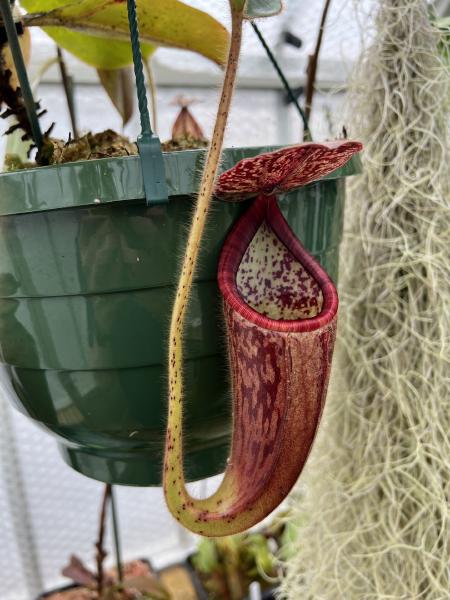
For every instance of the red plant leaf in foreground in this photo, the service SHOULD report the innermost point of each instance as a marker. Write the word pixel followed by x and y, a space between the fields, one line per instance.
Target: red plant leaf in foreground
pixel 285 169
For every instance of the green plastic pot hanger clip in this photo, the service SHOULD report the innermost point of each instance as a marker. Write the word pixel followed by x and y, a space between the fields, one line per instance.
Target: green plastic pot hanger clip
pixel 149 145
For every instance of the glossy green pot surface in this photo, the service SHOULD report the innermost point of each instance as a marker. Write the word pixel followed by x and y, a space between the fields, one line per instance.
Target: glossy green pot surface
pixel 87 275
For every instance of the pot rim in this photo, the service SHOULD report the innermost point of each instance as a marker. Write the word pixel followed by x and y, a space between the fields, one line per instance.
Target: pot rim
pixel 117 179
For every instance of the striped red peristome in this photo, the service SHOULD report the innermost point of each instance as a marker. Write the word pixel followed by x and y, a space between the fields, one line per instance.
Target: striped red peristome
pixel 265 208
pixel 283 170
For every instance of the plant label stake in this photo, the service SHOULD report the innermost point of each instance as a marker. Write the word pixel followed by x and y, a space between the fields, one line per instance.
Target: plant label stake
pixel 280 309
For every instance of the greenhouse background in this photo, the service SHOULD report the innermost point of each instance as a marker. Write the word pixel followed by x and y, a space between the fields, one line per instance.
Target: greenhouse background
pixel 47 510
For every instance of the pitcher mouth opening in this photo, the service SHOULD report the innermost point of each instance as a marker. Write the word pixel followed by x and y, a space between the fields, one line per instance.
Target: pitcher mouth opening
pixel 268 277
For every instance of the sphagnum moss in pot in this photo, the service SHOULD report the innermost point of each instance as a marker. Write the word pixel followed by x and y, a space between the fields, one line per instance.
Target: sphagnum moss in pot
pixel 88 273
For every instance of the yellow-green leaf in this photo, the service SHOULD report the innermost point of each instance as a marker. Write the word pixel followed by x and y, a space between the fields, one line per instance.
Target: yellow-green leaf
pixel 98 52
pixel 161 23
pixel 95 51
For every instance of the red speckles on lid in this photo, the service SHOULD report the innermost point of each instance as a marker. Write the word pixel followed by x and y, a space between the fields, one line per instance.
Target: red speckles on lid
pixel 284 170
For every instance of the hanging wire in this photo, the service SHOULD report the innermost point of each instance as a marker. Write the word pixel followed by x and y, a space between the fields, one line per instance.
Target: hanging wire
pixel 282 76
pixel 152 161
pixel 14 44
pixel 138 69
pixel 67 81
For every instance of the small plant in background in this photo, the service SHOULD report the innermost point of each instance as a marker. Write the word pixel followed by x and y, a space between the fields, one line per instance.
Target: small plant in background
pixel 186 131
pixel 138 582
pixel 228 566
pixel 219 569
pixel 134 580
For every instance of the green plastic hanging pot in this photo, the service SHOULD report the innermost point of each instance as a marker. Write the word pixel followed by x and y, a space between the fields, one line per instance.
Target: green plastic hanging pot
pixel 87 275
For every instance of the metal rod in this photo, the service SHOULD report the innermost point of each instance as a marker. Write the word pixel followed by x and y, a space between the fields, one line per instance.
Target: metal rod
pixel 67 82
pixel 16 51
pixel 116 535
pixel 281 75
pixel 101 552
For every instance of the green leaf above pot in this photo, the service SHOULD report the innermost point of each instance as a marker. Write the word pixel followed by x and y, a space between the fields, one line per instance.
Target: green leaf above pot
pixel 80 27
